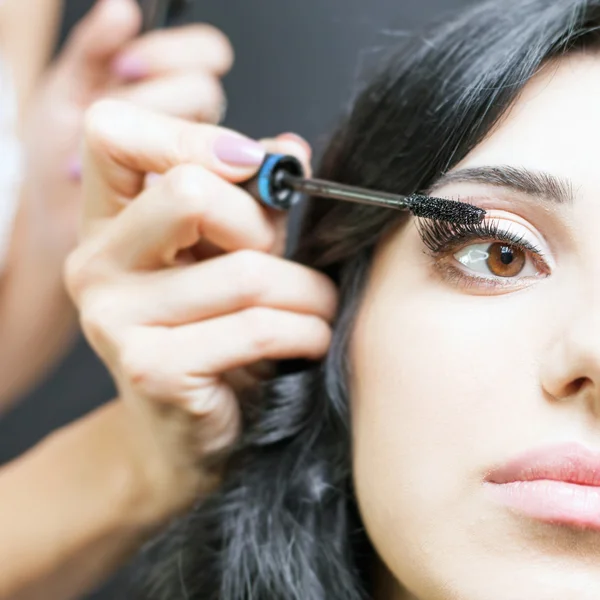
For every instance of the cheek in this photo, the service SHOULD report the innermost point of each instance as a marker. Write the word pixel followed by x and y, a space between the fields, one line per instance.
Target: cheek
pixel 439 383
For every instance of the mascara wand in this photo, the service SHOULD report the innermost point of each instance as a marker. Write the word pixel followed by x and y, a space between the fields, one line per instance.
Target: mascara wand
pixel 280 182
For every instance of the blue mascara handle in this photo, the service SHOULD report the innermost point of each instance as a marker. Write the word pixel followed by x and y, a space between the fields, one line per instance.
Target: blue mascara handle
pixel 268 186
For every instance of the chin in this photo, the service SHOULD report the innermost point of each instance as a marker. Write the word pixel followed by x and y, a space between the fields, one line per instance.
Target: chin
pixel 554 580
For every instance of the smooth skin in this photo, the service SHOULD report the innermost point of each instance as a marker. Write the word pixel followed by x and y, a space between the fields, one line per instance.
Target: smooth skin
pixel 104 57
pixel 452 380
pixel 176 333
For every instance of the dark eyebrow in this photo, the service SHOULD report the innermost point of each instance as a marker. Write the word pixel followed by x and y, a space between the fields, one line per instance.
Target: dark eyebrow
pixel 532 183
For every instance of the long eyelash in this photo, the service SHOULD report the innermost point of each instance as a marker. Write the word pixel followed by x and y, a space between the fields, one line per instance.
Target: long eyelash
pixel 441 238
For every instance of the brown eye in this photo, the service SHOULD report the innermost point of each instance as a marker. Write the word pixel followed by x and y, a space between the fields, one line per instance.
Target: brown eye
pixel 499 257
pixel 505 260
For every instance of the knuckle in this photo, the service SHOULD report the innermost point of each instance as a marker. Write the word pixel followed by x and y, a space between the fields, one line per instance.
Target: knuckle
pixel 260 332
pixel 102 121
pixel 267 244
pixel 97 318
pixel 140 368
pixel 219 424
pixel 75 276
pixel 81 272
pixel 185 181
pixel 192 193
pixel 186 190
pixel 190 142
pixel 147 375
pixel 249 270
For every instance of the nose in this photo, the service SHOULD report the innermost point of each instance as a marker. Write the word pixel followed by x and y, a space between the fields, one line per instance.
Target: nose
pixel 570 368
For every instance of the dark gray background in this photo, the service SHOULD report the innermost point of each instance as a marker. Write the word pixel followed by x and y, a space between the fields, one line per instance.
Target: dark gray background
pixel 298 66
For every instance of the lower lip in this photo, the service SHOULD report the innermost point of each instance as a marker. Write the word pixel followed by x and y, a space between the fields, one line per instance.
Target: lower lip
pixel 550 501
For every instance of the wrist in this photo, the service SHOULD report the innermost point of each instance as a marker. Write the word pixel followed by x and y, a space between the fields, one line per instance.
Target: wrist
pixel 103 465
pixel 167 470
pixel 74 509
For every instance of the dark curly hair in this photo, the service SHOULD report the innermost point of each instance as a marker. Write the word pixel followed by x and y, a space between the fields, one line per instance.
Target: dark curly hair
pixel 285 525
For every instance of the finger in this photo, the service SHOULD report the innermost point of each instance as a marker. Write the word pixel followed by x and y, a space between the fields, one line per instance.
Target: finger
pixel 297 144
pixel 124 142
pixel 196 47
pixel 226 285
pixel 194 96
pixel 233 341
pixel 96 41
pixel 287 143
pixel 190 202
pixel 223 228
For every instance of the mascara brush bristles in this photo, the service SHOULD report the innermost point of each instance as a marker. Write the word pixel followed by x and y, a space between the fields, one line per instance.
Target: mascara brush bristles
pixel 440 209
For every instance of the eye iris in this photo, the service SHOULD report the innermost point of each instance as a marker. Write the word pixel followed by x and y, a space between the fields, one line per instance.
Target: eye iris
pixel 505 261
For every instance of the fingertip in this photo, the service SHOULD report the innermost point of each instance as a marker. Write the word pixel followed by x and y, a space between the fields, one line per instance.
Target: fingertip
pixel 97 37
pixel 123 17
pixel 298 140
pixel 291 143
pixel 223 52
pixel 122 10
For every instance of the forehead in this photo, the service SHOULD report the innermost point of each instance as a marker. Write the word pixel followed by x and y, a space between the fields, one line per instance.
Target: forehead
pixel 554 125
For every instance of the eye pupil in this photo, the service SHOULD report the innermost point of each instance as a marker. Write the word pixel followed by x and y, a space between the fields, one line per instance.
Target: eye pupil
pixel 505 261
pixel 506 255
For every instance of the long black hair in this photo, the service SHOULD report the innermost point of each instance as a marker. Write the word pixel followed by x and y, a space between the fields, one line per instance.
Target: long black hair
pixel 285 525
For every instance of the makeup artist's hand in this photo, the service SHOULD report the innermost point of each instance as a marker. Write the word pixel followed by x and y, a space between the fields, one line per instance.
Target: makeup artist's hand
pixel 179 284
pixel 176 71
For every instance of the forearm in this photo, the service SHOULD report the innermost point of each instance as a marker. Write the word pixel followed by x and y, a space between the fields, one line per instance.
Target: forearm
pixel 28 31
pixel 37 320
pixel 71 511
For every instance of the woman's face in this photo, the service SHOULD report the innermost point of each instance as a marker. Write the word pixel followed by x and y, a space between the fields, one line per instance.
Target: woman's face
pixel 480 347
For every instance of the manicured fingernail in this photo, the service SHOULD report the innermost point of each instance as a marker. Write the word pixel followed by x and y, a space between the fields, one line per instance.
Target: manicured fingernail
pixel 74 169
pixel 239 150
pixel 129 67
pixel 152 179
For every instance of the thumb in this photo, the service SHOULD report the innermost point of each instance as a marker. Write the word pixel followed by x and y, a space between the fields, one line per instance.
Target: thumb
pixel 97 39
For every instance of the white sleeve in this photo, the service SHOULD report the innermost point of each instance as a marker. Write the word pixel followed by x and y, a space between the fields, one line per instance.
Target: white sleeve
pixel 11 162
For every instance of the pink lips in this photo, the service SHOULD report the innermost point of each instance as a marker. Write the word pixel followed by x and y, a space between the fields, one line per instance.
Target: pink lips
pixel 557 484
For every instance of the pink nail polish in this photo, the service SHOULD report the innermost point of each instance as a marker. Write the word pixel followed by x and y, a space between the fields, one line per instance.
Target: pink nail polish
pixel 152 179
pixel 239 150
pixel 129 67
pixel 74 169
